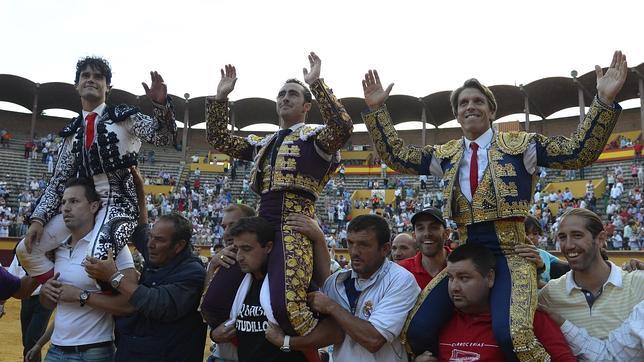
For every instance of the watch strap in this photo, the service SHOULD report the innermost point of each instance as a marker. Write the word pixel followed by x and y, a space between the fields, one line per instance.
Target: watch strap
pixel 286 346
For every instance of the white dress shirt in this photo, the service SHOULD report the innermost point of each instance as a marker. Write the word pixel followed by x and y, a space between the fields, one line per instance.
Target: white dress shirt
pixel 484 141
pixel 98 110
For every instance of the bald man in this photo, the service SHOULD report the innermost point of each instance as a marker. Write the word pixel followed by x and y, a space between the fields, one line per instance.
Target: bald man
pixel 403 247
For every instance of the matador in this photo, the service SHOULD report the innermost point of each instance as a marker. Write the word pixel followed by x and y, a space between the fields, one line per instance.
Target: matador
pixel 489 178
pixel 291 168
pixel 100 144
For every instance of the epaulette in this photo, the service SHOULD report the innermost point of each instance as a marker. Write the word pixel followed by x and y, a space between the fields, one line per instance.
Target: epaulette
pixel 514 142
pixel 309 131
pixel 121 112
pixel 448 149
pixel 71 127
pixel 255 140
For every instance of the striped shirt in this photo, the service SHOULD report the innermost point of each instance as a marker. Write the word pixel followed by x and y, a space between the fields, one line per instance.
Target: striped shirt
pixel 620 294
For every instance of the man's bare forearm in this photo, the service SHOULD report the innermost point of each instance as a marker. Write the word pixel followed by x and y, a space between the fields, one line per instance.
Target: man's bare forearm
pixel 326 333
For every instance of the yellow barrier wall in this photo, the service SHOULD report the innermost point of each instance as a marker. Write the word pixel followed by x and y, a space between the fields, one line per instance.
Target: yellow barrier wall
pixel 578 187
pixel 157 189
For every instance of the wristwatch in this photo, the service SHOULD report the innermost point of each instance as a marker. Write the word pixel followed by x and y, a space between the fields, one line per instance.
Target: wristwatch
pixel 84 297
pixel 286 347
pixel 116 280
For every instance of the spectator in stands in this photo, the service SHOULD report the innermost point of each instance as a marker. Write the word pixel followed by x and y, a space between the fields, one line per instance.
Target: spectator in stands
pixel 567 195
pixel 593 281
pixel 468 334
pixel 590 189
pixel 383 169
pixel 29 147
pixel 423 181
pixel 616 192
pixel 402 247
pixel 341 172
pixel 369 302
pixel 162 321
pixel 637 150
pixel 83 329
pixel 431 234
pixel 552 197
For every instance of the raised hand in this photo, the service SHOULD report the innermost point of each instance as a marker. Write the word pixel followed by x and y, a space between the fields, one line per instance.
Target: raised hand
pixel 227 82
pixel 609 84
pixel 310 76
pixel 158 91
pixel 374 95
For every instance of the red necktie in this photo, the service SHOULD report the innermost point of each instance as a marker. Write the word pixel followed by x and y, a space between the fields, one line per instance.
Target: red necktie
pixel 89 130
pixel 474 168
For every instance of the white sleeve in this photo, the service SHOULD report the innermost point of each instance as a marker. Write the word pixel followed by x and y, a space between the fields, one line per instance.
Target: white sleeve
pixel 435 167
pixel 530 158
pixel 390 313
pixel 124 259
pixel 625 343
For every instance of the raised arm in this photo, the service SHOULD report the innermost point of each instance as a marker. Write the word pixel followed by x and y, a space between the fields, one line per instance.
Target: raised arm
pixel 338 122
pixel 217 133
pixel 409 159
pixel 584 146
pixel 160 129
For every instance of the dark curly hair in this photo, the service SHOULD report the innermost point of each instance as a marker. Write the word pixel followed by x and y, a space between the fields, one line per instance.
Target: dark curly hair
pixel 96 63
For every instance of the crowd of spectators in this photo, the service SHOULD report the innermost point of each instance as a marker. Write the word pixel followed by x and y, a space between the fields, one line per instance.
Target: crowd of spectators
pixel 203 203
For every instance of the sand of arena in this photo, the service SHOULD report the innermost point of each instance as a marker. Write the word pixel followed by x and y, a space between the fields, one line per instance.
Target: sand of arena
pixel 11 338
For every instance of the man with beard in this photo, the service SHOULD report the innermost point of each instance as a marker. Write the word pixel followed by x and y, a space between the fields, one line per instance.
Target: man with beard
pixel 430 232
pixel 595 294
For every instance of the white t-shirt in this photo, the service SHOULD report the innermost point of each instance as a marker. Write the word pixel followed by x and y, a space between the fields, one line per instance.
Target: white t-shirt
pixel 76 325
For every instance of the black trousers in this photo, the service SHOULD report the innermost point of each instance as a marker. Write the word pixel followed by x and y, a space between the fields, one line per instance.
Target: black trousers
pixel 33 320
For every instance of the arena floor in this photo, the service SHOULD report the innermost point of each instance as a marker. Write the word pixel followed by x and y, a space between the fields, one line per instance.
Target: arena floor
pixel 11 340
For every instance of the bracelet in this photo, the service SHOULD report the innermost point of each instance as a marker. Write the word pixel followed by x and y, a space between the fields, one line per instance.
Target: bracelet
pixel 33 220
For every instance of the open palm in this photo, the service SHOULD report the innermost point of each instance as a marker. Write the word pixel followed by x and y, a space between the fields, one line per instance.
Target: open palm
pixel 227 82
pixel 374 95
pixel 609 84
pixel 310 76
pixel 158 90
